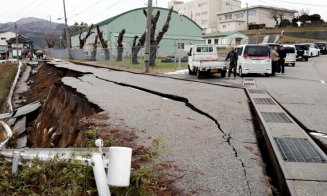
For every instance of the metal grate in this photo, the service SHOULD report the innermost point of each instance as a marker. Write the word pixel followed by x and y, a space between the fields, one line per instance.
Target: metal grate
pixel 248 84
pixel 264 101
pixel 256 91
pixel 248 79
pixel 275 117
pixel 298 150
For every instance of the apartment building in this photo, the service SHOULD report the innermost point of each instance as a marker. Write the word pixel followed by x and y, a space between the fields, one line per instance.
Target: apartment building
pixel 204 12
pixel 238 20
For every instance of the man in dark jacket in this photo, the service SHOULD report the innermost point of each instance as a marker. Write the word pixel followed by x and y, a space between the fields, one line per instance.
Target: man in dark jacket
pixel 281 61
pixel 233 57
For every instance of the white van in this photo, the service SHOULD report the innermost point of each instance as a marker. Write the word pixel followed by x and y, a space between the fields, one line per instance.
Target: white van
pixel 290 55
pixel 253 58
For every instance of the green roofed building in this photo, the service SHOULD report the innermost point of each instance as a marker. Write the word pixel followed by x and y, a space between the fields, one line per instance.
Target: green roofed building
pixel 181 30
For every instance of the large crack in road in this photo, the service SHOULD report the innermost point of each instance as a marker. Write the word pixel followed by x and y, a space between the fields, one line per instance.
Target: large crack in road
pixel 226 136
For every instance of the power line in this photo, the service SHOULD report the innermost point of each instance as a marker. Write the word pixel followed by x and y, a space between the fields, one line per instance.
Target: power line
pixel 86 9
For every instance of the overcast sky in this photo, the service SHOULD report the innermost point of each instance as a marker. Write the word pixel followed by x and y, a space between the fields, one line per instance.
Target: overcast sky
pixel 94 11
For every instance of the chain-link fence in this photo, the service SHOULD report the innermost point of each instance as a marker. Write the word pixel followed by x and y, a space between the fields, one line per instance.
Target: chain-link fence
pixel 166 57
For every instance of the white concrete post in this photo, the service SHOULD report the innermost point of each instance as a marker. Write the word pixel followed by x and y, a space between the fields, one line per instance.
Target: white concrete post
pixel 119 169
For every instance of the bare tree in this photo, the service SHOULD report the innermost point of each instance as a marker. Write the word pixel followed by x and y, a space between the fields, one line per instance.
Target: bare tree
pixel 165 27
pixel 138 45
pixel 104 44
pixel 120 47
pixel 275 16
pixel 82 41
pixel 95 45
pixel 50 42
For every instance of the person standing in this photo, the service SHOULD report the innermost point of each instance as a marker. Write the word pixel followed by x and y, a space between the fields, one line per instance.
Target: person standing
pixel 274 59
pixel 282 56
pixel 232 56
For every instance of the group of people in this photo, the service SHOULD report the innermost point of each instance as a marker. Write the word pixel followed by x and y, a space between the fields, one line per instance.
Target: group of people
pixel 278 56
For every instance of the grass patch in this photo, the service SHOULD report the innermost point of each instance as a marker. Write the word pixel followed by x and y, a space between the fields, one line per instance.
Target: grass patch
pixel 126 64
pixel 287 29
pixel 287 39
pixel 7 76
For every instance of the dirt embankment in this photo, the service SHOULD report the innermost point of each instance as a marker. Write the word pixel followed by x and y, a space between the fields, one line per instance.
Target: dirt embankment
pixel 62 108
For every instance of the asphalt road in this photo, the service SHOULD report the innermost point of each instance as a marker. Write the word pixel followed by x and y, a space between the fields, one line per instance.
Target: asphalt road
pixel 302 90
pixel 206 128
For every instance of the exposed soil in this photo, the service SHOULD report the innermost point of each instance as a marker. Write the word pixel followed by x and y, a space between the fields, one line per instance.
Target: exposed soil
pixel 68 119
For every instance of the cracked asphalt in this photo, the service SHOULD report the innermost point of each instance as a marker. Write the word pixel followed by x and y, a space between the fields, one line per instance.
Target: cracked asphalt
pixel 207 129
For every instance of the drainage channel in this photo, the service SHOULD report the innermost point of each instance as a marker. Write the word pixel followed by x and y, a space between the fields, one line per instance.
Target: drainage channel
pixel 227 137
pixel 299 164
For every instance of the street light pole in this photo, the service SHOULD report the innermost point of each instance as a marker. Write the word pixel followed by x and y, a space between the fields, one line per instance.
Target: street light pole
pixel 148 37
pixel 179 45
pixel 67 31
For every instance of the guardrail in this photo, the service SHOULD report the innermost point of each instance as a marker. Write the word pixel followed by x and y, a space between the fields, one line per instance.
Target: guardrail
pixel 115 161
pixel 13 87
pixel 9 133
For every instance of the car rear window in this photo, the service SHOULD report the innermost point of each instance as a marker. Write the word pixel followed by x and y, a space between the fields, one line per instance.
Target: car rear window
pixel 301 47
pixel 289 49
pixel 257 51
pixel 204 49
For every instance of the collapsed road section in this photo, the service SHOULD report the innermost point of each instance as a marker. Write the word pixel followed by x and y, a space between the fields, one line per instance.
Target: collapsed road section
pixel 47 112
pixel 211 141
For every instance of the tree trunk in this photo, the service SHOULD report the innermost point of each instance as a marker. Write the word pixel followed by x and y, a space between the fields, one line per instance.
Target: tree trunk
pixel 135 51
pixel 94 52
pixel 120 46
pixel 153 55
pixel 104 44
pixel 83 41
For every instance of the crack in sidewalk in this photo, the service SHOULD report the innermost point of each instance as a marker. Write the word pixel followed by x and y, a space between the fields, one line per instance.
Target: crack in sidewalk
pixel 226 137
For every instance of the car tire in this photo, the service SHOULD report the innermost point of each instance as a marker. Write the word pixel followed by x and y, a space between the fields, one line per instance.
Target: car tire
pixel 293 64
pixel 198 74
pixel 311 55
pixel 318 53
pixel 306 58
pixel 190 72
pixel 240 73
pixel 223 73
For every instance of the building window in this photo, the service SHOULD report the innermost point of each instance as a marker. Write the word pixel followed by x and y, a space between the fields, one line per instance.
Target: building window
pixel 252 12
pixel 198 14
pixel 180 46
pixel 220 18
pixel 224 26
pixel 228 16
pixel 216 41
pixel 204 13
pixel 204 22
pixel 239 15
pixel 209 41
pixel 199 5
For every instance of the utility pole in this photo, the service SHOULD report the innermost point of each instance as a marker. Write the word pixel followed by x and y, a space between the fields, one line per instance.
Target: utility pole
pixel 148 37
pixel 247 15
pixel 67 32
pixel 16 41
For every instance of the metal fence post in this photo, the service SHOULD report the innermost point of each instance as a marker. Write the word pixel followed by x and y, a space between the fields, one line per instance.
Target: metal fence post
pixel 100 175
pixel 15 161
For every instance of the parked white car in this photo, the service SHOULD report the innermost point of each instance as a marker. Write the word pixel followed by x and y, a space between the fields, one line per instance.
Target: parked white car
pixel 313 49
pixel 290 55
pixel 203 60
pixel 253 58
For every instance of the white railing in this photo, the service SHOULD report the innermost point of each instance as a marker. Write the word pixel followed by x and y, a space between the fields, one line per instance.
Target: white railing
pixel 112 168
pixel 8 131
pixel 13 87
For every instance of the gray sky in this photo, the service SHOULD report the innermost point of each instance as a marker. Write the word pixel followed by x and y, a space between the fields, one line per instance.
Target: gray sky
pixel 94 11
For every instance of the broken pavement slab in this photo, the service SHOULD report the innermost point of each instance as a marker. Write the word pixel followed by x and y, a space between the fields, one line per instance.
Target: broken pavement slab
pixel 212 160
